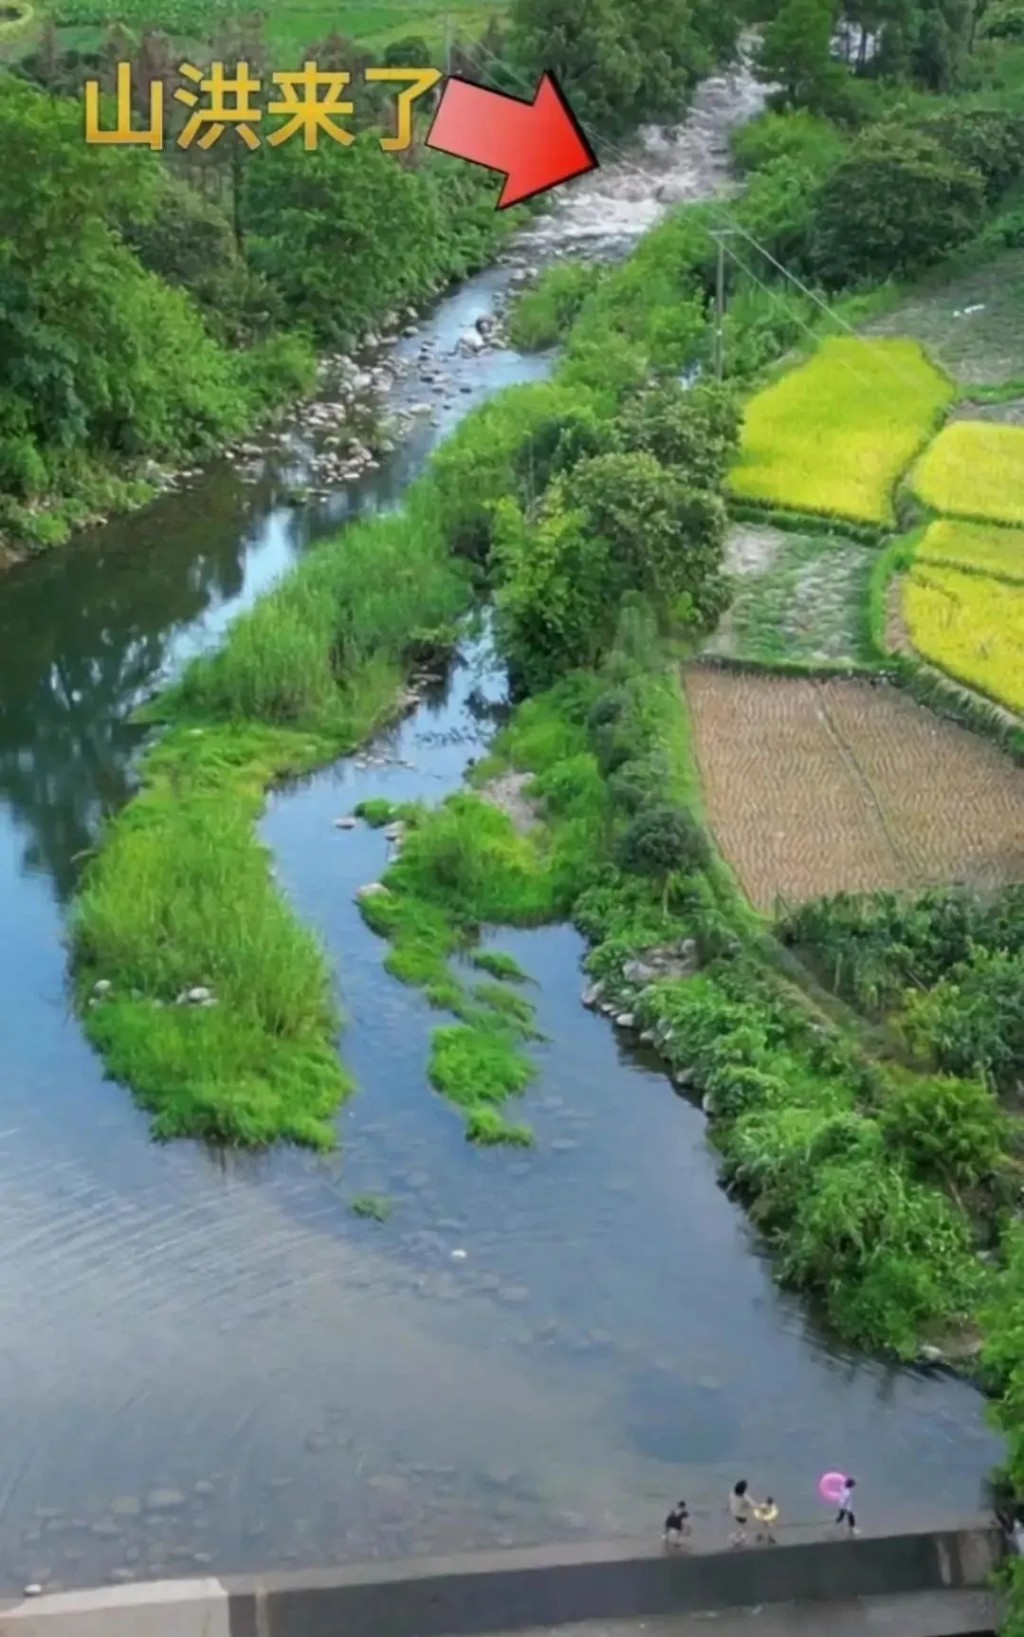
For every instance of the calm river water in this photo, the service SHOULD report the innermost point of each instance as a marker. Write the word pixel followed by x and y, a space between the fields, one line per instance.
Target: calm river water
pixel 212 1361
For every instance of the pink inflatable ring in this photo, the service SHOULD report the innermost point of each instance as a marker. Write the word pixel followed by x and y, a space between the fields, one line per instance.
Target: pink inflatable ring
pixel 831 1486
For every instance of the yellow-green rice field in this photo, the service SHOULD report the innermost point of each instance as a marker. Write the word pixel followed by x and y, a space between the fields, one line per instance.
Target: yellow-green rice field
pixel 984 548
pixel 971 625
pixel 834 435
pixel 974 469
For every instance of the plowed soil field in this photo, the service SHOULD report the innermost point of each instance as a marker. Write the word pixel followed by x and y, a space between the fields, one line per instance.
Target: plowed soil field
pixel 822 787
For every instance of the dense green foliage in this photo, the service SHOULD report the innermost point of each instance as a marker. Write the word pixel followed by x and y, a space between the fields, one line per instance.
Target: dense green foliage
pixel 950 964
pixel 100 360
pixel 623 62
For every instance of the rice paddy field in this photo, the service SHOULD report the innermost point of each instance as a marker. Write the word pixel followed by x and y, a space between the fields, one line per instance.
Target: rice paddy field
pixel 971 625
pixel 813 788
pixel 978 547
pixel 834 436
pixel 974 469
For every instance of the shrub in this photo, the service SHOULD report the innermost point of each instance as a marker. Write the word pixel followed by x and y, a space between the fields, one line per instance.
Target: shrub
pixel 950 1130
pixel 661 840
pixel 797 134
pixel 895 203
pixel 545 314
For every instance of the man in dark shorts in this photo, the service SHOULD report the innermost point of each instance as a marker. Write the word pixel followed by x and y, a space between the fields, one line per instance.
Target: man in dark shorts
pixel 677 1524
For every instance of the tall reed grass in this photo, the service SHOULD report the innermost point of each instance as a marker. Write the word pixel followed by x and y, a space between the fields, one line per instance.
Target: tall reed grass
pixel 181 893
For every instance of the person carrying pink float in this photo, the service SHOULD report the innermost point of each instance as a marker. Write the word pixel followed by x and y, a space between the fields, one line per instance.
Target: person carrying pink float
pixel 837 1489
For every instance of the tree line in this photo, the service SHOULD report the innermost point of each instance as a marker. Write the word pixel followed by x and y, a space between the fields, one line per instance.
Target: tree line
pixel 156 304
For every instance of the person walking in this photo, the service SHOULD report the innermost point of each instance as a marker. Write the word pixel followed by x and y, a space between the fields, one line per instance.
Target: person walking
pixel 846 1514
pixel 741 1508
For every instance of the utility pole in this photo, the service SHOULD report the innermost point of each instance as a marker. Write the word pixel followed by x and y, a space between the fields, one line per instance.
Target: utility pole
pixel 720 235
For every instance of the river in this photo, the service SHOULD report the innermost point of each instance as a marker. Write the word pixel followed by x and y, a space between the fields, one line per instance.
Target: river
pixel 209 1360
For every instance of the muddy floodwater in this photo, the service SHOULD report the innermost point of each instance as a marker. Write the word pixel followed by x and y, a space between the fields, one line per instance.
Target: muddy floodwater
pixel 210 1360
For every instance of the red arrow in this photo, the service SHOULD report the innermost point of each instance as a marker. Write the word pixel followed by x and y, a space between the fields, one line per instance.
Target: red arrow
pixel 536 144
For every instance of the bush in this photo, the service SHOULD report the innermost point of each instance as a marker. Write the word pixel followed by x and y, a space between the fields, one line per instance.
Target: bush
pixel 894 204
pixel 808 138
pixel 950 1130
pixel 662 839
pixel 544 315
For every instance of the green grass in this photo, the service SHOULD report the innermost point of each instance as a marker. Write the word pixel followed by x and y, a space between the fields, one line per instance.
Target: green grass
pixel 181 892
pixel 500 965
pixel 834 435
pixel 464 865
pixel 372 1207
pixel 971 321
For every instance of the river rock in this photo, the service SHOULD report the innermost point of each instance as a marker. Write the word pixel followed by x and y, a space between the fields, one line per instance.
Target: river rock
pixel 33 1589
pixel 199 995
pixel 348 823
pixel 638 972
pixel 126 1506
pixel 471 341
pixel 394 832
pixel 102 987
pixel 930 1354
pixel 625 1020
pixel 592 994
pixel 373 889
pixel 683 1078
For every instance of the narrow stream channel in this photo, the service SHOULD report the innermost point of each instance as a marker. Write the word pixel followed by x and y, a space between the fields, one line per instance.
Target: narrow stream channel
pixel 210 1360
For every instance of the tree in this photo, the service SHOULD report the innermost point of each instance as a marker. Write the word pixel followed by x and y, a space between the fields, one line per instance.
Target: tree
pixel 659 841
pixel 895 203
pixel 694 431
pixel 308 215
pixel 664 535
pixel 555 600
pixel 796 54
pixel 587 46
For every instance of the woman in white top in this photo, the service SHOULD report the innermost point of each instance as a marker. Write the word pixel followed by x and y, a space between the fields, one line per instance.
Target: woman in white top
pixel 741 1507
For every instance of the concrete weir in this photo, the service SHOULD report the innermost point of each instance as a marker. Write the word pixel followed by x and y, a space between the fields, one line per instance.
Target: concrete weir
pixel 925 1583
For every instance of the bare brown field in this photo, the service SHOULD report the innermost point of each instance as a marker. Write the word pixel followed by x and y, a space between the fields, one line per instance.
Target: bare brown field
pixel 840 786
